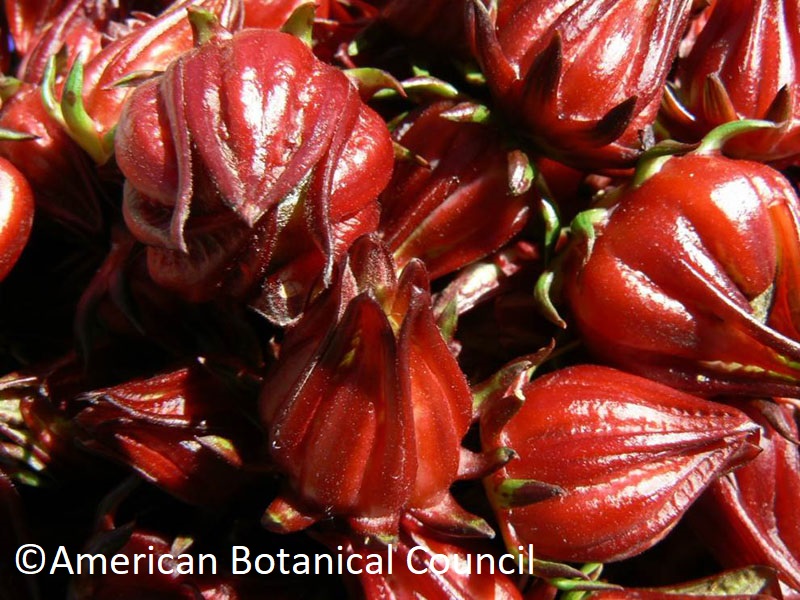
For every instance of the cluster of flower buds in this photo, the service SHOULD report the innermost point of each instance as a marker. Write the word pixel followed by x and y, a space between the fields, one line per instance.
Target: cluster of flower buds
pixel 393 299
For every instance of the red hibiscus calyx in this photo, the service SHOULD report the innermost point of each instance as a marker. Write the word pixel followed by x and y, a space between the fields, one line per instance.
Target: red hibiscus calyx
pixel 243 205
pixel 173 429
pixel 540 60
pixel 381 376
pixel 649 452
pixel 89 101
pixel 735 70
pixel 732 263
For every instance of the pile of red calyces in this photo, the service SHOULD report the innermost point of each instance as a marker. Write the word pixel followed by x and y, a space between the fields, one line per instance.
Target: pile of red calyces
pixel 399 299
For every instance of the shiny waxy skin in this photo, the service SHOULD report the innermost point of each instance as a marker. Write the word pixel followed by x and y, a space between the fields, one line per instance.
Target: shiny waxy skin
pixel 743 65
pixel 147 49
pixel 459 207
pixel 583 78
pixel 65 189
pixel 749 516
pixel 16 215
pixel 367 407
pixel 417 558
pixel 619 459
pixel 249 172
pixel 173 430
pixel 691 278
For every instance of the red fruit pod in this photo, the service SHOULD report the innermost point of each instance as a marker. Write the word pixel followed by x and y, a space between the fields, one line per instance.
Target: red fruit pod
pixel 91 95
pixel 180 571
pixel 27 19
pixel 607 462
pixel 173 430
pixel 76 29
pixel 691 277
pixel 272 14
pixel 422 565
pixel 366 411
pixel 749 516
pixel 36 435
pixel 228 197
pixel 64 185
pixel 583 78
pixel 439 24
pixel 743 65
pixel 460 207
pixel 16 215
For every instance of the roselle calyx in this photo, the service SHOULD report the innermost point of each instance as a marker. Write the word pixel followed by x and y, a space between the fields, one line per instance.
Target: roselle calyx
pixel 583 79
pixel 248 172
pixel 65 187
pixel 461 206
pixel 366 407
pixel 187 431
pixel 743 65
pixel 748 516
pixel 16 215
pixel 607 462
pixel 36 435
pixel 690 277
pixel 175 582
pixel 180 575
pixel 26 20
pixel 439 24
pixel 418 567
pixel 89 101
pixel 75 30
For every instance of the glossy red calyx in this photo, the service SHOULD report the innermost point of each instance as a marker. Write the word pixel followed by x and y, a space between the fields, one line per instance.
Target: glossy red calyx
pixel 692 278
pixel 458 208
pixel 16 215
pixel 607 463
pixel 366 407
pixel 248 172
pixel 743 65
pixel 584 79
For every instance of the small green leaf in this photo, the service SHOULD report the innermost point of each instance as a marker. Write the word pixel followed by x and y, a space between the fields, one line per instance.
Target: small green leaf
pixel 542 294
pixel 647 167
pixel 135 78
pixel 717 137
pixel 552 226
pixel 741 582
pixel 556 570
pixel 300 23
pixel 51 104
pixel 8 87
pixel 448 320
pixel 79 124
pixel 10 135
pixel 513 493
pixel 403 153
pixel 425 86
pixel 569 585
pixel 467 112
pixel 583 226
pixel 373 82
pixel 204 25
